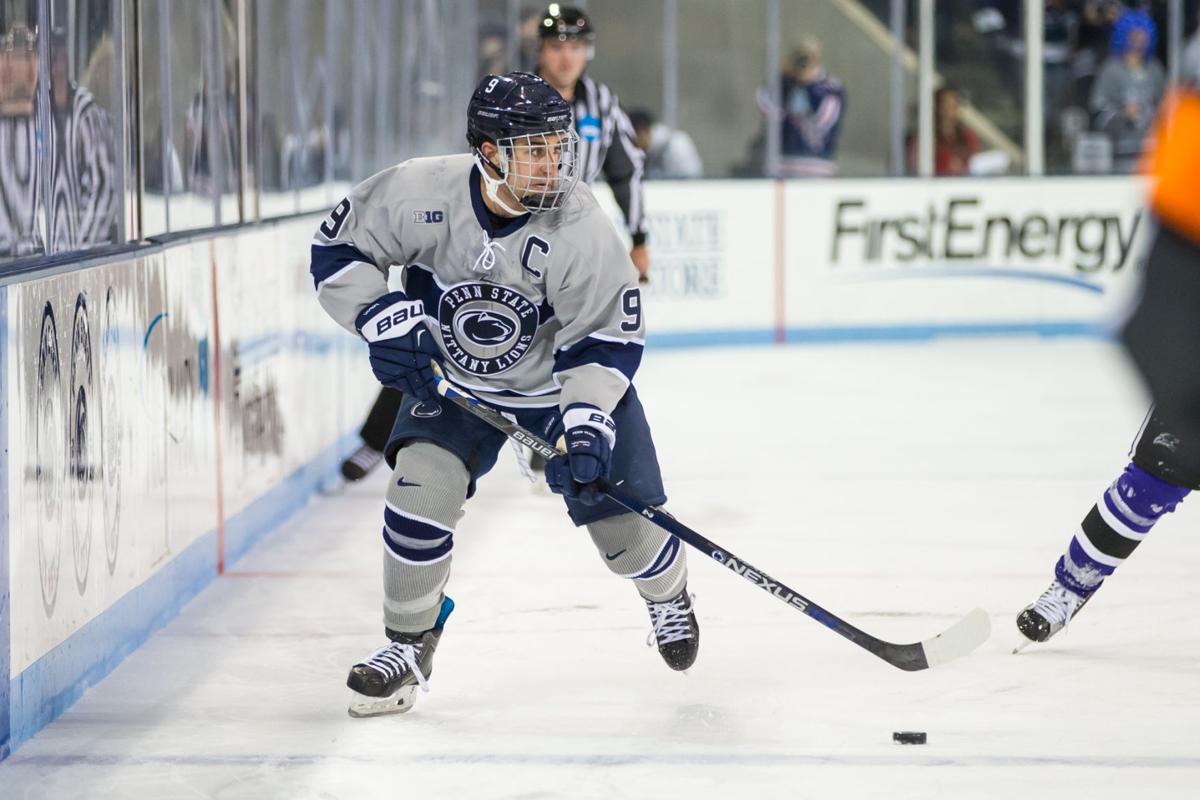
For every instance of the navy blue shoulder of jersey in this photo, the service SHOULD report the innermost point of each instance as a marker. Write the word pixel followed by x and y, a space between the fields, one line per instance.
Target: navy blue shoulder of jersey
pixel 330 259
pixel 830 85
pixel 619 356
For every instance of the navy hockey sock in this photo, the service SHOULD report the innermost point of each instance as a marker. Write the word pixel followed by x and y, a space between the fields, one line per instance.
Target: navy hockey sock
pixel 1114 528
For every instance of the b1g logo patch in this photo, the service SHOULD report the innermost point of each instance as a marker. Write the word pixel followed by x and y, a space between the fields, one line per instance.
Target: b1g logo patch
pixel 486 328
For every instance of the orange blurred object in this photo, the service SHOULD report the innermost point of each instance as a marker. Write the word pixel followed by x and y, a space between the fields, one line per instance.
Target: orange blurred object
pixel 1174 163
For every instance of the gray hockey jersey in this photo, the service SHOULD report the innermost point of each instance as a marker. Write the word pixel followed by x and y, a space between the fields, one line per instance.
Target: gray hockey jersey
pixel 543 310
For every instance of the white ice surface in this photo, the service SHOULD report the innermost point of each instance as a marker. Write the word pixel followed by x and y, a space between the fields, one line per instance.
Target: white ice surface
pixel 896 485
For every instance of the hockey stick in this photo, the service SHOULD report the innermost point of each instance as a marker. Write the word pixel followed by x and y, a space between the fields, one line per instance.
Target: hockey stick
pixel 958 640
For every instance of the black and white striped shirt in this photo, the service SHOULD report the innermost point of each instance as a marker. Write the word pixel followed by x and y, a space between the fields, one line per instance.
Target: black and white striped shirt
pixel 84 200
pixel 19 174
pixel 83 203
pixel 606 144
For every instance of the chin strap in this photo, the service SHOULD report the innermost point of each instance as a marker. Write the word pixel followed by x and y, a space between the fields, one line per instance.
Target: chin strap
pixel 492 185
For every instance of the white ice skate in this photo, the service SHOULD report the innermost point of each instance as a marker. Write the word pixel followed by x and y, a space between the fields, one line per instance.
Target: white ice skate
pixel 1048 615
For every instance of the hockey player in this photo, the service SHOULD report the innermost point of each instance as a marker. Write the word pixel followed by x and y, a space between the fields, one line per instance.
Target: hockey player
pixel 1163 336
pixel 516 283
pixel 606 144
pixel 1152 485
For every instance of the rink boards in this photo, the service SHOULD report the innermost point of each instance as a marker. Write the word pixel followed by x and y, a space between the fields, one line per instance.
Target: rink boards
pixel 162 410
pixel 832 260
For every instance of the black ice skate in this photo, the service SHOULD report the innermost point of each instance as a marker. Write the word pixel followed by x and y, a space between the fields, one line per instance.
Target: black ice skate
pixel 361 462
pixel 1048 615
pixel 387 682
pixel 675 630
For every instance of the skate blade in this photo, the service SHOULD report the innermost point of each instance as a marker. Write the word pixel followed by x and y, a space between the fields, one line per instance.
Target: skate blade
pixel 1022 644
pixel 399 703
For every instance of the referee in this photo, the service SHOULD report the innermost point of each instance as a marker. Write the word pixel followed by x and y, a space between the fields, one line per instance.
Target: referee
pixel 607 142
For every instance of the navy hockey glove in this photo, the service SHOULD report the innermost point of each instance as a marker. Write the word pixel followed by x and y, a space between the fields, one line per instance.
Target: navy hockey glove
pixel 589 440
pixel 401 347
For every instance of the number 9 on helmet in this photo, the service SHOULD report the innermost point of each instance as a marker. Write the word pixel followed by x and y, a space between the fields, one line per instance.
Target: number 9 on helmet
pixel 534 153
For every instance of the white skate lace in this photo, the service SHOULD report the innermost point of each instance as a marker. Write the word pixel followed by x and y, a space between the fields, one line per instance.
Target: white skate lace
pixel 670 620
pixel 1057 604
pixel 487 259
pixel 392 660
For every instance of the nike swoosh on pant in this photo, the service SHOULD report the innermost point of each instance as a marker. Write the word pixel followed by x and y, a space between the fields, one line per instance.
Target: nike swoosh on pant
pixel 615 555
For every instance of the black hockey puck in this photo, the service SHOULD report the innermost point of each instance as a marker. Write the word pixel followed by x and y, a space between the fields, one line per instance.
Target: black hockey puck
pixel 908 737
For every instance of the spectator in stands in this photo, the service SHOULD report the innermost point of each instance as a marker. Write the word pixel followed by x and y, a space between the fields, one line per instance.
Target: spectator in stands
pixel 1095 32
pixel 1000 23
pixel 1129 88
pixel 84 204
pixel 954 144
pixel 1191 55
pixel 670 154
pixel 1060 38
pixel 82 200
pixel 813 104
pixel 492 47
pixel 19 163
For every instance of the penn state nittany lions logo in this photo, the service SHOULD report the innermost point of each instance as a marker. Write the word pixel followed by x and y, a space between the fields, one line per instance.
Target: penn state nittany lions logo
pixel 486 328
pixel 426 409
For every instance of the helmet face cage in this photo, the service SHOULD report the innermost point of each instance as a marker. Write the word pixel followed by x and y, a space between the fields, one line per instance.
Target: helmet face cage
pixel 540 169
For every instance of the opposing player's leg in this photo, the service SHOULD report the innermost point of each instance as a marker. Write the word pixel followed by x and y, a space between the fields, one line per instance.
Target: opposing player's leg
pixel 635 549
pixel 1152 485
pixel 374 435
pixel 436 453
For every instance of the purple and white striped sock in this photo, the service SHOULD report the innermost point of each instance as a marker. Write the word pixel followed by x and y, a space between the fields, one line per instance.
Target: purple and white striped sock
pixel 1115 527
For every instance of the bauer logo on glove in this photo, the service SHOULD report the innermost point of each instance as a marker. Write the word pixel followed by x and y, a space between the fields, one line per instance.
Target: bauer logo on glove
pixel 401 349
pixel 411 312
pixel 389 317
